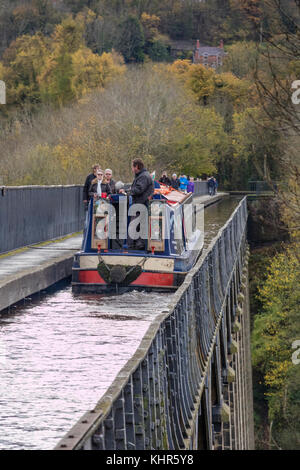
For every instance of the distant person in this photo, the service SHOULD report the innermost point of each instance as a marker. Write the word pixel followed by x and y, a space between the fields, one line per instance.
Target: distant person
pixel 111 182
pixel 164 179
pixel 191 185
pixel 87 184
pixel 99 186
pixel 175 183
pixel 215 186
pixel 183 183
pixel 211 186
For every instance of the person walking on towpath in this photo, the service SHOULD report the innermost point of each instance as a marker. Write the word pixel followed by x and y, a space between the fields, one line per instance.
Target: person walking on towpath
pixel 215 186
pixel 211 185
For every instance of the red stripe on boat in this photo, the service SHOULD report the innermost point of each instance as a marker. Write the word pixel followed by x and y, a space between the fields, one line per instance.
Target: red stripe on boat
pixel 154 279
pixel 90 277
pixel 145 279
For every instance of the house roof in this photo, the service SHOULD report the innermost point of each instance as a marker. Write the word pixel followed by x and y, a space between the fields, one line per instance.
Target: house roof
pixel 210 50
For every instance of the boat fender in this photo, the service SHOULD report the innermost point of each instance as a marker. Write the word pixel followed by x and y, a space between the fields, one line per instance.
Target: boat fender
pixel 118 273
pixel 133 274
pixel 104 271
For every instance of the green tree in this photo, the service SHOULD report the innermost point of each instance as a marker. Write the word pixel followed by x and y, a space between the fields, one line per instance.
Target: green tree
pixel 56 78
pixel 158 51
pixel 241 59
pixel 132 40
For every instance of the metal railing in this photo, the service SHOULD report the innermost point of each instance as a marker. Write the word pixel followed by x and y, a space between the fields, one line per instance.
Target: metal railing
pixel 262 186
pixel 201 188
pixel 33 214
pixel 177 388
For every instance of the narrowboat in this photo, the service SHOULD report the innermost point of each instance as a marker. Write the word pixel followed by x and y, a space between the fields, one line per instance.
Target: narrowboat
pixel 173 239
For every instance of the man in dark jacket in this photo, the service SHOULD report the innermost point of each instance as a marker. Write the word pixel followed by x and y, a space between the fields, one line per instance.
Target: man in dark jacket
pixel 211 185
pixel 111 182
pixel 142 189
pixel 87 185
pixel 164 179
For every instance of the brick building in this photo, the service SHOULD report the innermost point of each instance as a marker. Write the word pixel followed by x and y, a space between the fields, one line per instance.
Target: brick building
pixel 209 56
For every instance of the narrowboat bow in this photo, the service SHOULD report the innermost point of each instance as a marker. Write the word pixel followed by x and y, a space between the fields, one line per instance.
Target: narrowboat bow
pixel 172 245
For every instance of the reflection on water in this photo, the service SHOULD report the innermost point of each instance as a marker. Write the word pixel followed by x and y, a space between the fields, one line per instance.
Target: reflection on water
pixel 59 354
pixel 216 216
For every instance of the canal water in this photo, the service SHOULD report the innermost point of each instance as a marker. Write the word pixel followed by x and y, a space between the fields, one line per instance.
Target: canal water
pixel 59 352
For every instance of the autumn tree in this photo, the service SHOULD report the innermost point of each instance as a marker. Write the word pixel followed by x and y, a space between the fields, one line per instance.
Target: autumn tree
pixel 241 59
pixel 144 113
pixel 276 72
pixel 24 62
pixel 276 327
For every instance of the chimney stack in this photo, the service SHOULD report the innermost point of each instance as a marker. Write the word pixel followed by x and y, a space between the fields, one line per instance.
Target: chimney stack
pixel 198 44
pixel 221 44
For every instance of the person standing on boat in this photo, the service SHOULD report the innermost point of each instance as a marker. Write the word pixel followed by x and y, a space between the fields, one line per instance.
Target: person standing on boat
pixel 164 179
pixel 87 185
pixel 191 185
pixel 111 182
pixel 99 186
pixel 183 183
pixel 175 183
pixel 142 189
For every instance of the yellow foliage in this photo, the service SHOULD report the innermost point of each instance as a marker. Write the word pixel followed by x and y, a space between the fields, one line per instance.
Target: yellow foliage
pixel 3 72
pixel 206 82
pixel 86 16
pixel 180 67
pixel 229 84
pixel 150 24
pixel 92 71
pixel 68 36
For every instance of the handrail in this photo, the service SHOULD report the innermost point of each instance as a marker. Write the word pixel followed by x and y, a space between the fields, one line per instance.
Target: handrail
pixel 33 214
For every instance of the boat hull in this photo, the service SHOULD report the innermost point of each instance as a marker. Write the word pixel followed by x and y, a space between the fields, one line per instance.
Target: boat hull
pixel 154 272
pixel 89 281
